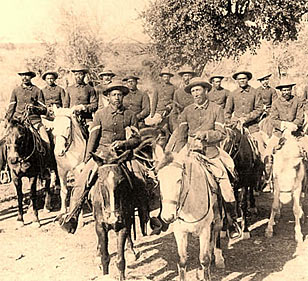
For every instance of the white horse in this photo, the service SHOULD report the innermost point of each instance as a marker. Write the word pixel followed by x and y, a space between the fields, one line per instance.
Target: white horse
pixel 189 204
pixel 70 147
pixel 289 181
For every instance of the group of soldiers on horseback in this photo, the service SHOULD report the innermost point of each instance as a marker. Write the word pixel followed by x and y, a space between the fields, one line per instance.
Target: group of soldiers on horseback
pixel 196 113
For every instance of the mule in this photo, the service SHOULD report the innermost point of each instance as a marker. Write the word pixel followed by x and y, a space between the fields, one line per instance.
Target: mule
pixel 290 178
pixel 249 168
pixel 188 203
pixel 113 208
pixel 70 146
pixel 25 152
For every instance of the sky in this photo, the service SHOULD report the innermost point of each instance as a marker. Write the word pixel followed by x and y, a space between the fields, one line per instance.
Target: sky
pixel 27 20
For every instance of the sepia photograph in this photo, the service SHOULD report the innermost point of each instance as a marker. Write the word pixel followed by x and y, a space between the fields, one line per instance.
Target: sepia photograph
pixel 154 140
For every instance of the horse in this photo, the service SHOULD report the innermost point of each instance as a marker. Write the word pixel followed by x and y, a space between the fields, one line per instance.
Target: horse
pixel 25 152
pixel 113 207
pixel 249 168
pixel 290 178
pixel 70 146
pixel 188 203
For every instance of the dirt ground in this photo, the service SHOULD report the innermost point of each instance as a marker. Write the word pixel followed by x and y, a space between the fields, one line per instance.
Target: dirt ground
pixel 48 253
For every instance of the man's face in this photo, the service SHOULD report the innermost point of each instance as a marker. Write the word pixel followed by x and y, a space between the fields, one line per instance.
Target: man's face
pixel 106 79
pixel 186 77
pixel 131 84
pixel 265 82
pixel 199 94
pixel 79 77
pixel 26 79
pixel 116 98
pixel 216 82
pixel 286 92
pixel 166 78
pixel 50 79
pixel 242 80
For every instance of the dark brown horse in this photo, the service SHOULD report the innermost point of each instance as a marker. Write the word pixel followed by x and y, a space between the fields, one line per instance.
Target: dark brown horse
pixel 113 208
pixel 25 152
pixel 249 168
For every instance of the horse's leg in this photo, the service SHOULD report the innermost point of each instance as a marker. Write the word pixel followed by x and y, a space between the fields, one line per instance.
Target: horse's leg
pixel 203 273
pixel 181 241
pixel 47 204
pixel 102 235
pixel 18 185
pixel 275 209
pixel 216 246
pixel 32 182
pixel 130 245
pixel 243 206
pixel 63 190
pixel 252 201
pixel 122 235
pixel 298 213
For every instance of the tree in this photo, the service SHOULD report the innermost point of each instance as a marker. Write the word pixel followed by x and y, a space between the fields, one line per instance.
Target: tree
pixel 199 31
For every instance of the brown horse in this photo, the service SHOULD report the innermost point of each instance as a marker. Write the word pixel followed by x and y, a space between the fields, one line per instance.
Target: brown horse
pixel 25 152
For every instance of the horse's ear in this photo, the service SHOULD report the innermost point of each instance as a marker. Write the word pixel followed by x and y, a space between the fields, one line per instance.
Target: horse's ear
pixel 100 161
pixel 159 153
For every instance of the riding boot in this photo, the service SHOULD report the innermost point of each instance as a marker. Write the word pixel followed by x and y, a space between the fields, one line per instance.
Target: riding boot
pixel 268 169
pixel 234 228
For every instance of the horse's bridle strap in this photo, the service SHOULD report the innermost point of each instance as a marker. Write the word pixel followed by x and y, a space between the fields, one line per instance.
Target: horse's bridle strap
pixel 168 201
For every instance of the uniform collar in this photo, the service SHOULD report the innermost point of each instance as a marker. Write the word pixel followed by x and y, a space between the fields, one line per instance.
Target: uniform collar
pixel 246 90
pixel 27 87
pixel 51 87
pixel 115 111
pixel 202 106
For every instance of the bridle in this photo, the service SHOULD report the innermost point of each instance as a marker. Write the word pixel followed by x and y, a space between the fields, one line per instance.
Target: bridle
pixel 68 139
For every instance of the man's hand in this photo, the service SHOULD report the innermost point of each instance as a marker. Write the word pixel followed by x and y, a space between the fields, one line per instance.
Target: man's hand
pixel 201 135
pixel 117 144
pixel 79 107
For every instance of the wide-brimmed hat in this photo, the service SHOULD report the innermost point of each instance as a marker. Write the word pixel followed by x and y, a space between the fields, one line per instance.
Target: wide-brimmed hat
pixel 263 76
pixel 106 72
pixel 197 81
pixel 186 69
pixel 216 76
pixel 55 74
pixel 116 85
pixel 130 77
pixel 285 83
pixel 167 71
pixel 27 72
pixel 80 68
pixel 247 73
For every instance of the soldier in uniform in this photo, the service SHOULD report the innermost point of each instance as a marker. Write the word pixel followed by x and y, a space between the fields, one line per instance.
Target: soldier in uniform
pixel 286 113
pixel 181 98
pixel 218 94
pixel 202 128
pixel 30 96
pixel 106 78
pixel 268 94
pixel 81 96
pixel 162 99
pixel 136 101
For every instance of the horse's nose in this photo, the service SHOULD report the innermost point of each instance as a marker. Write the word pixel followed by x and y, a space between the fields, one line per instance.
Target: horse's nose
pixel 170 218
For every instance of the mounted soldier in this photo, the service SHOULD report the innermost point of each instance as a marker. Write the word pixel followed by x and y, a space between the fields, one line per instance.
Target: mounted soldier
pixel 106 78
pixel 202 128
pixel 218 94
pixel 28 99
pixel 81 97
pixel 136 100
pixel 181 98
pixel 114 129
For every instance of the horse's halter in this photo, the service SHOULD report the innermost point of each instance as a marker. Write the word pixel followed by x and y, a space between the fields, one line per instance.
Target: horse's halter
pixel 67 135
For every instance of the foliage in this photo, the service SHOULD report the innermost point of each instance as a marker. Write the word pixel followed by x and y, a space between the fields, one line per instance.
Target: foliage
pixel 198 31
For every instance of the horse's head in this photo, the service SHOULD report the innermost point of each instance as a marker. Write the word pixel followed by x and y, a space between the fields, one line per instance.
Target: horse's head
pixel 114 189
pixel 62 129
pixel 169 168
pixel 17 141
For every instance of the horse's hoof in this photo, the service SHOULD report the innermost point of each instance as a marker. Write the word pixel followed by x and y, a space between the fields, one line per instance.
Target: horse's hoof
pixel 246 235
pixel 220 264
pixel 223 234
pixel 19 224
pixel 35 224
pixel 268 233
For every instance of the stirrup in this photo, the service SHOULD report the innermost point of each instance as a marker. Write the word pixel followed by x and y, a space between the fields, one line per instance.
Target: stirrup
pixel 236 231
pixel 5 177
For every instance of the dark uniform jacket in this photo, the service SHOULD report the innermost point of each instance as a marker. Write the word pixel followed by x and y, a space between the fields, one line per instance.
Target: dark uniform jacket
pixel 268 95
pixel 182 99
pixel 54 95
pixel 22 96
pixel 207 118
pixel 82 94
pixel 162 97
pixel 108 126
pixel 291 111
pixel 245 103
pixel 139 103
pixel 219 96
